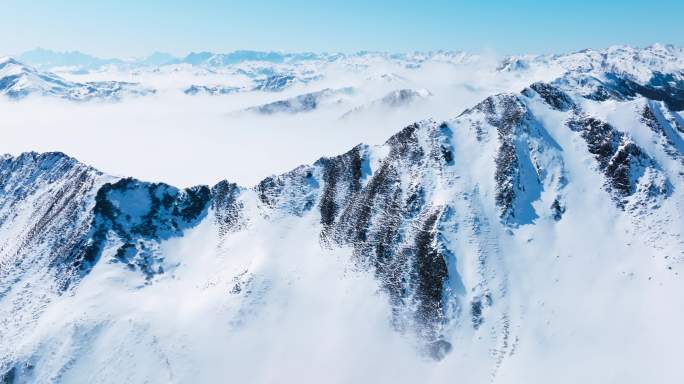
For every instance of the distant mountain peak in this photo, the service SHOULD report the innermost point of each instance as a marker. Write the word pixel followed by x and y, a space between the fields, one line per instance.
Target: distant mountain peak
pixel 19 80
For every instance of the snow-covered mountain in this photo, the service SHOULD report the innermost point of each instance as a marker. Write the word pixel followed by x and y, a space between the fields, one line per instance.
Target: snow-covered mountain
pixel 640 63
pixel 651 67
pixel 304 103
pixel 18 80
pixel 399 98
pixel 619 72
pixel 534 237
pixel 211 90
pixel 657 57
pixel 47 59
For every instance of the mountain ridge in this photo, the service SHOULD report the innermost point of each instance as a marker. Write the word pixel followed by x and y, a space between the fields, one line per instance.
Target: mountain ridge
pixel 18 81
pixel 442 215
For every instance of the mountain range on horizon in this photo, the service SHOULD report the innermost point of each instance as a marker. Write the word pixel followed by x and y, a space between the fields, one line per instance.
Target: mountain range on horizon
pixel 47 58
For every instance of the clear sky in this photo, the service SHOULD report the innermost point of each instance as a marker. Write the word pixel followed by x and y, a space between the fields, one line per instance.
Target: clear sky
pixel 126 28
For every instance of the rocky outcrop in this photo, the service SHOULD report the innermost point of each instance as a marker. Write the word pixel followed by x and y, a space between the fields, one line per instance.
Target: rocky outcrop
pixel 227 207
pixel 622 162
pixel 627 167
pixel 140 215
pixel 386 215
pixel 664 123
pixel 275 83
pixel 553 96
pixel 527 159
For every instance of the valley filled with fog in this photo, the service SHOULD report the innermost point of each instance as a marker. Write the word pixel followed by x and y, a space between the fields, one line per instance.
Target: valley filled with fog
pixel 201 138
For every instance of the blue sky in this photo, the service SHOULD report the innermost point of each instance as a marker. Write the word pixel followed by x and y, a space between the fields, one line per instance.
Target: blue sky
pixel 136 28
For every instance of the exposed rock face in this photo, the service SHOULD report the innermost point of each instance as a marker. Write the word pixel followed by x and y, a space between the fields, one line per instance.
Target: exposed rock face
pixel 140 215
pixel 527 159
pixel 393 226
pixel 553 96
pixel 42 194
pixel 626 167
pixel 506 114
pixel 386 215
pixel 342 176
pixel 388 211
pixel 622 162
pixel 275 83
pixel 665 124
pixel 293 192
pixel 227 207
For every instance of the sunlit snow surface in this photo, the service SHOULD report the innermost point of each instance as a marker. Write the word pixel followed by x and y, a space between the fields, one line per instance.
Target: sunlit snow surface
pixel 574 279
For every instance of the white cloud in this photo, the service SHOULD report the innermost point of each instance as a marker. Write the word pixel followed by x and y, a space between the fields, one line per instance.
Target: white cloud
pixel 186 140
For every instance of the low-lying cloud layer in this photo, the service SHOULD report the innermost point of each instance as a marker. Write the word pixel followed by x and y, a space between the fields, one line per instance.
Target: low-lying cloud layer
pixel 186 140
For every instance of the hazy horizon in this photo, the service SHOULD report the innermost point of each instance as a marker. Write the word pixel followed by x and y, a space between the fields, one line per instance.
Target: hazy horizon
pixel 182 55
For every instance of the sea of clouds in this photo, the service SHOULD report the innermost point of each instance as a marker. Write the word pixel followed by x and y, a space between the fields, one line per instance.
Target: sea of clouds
pixel 187 140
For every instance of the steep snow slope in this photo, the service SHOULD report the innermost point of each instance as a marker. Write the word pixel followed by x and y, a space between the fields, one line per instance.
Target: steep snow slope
pixel 536 237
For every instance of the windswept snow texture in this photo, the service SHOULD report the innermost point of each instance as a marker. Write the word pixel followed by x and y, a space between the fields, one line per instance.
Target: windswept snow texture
pixel 534 236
